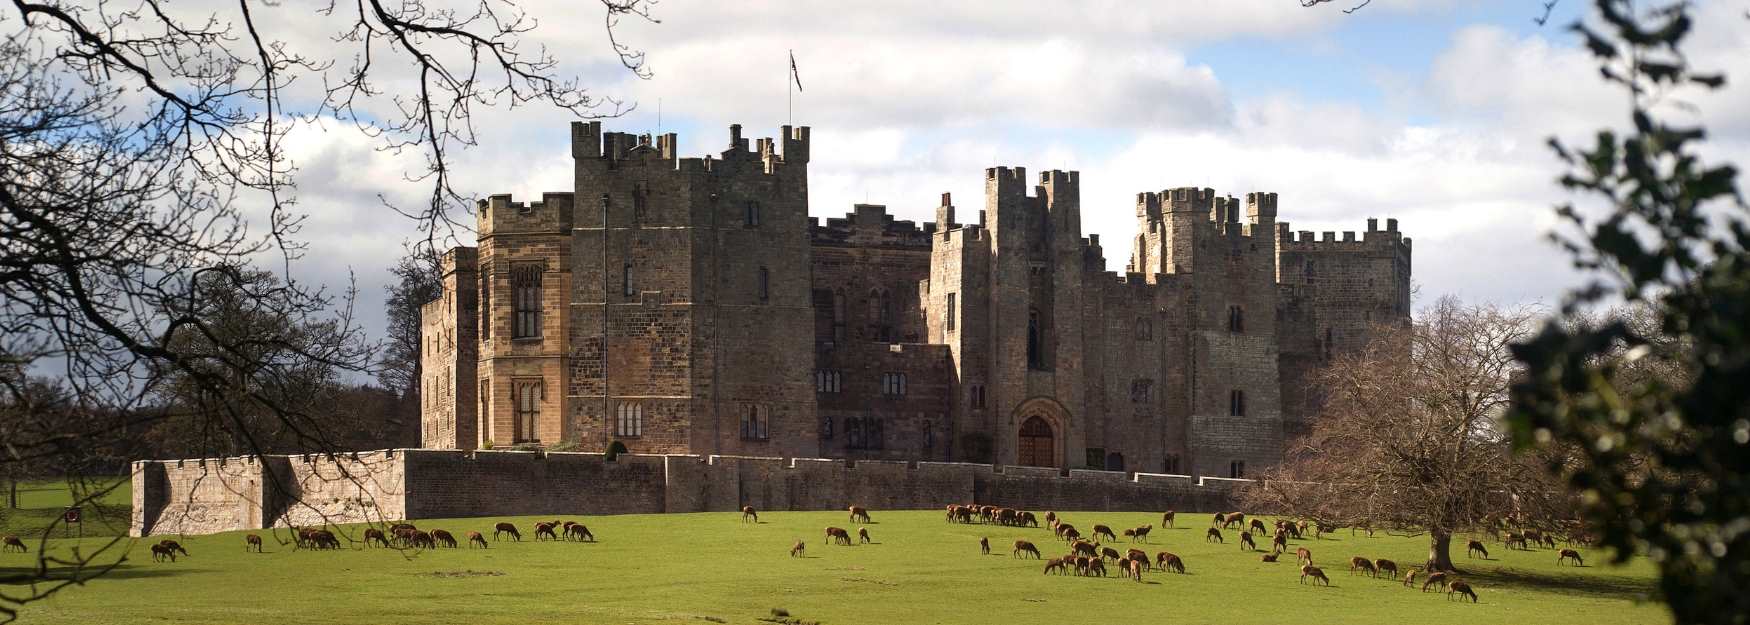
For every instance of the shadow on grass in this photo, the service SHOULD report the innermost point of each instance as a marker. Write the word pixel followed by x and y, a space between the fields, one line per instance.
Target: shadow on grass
pixel 16 576
pixel 1579 585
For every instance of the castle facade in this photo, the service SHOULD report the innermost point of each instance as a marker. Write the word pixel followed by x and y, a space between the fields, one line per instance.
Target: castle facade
pixel 691 305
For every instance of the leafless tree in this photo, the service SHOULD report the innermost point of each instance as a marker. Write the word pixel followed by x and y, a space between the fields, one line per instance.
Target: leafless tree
pixel 142 162
pixel 1409 439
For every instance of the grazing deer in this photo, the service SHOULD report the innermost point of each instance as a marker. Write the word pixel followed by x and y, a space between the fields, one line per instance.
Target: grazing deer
pixel 1138 554
pixel 1058 564
pixel 578 531
pixel 546 529
pixel 374 534
pixel 1570 554
pixel 1108 552
pixel 1140 534
pixel 1246 542
pixel 1051 518
pixel 838 536
pixel 1096 566
pixel 12 542
pixel 159 552
pixel 1474 547
pixel 1303 555
pixel 1463 589
pixel 1082 547
pixel 1268 557
pixel 1167 519
pixel 1280 543
pixel 444 538
pixel 252 541
pixel 1070 533
pixel 1213 535
pixel 984 545
pixel 1387 568
pixel 748 514
pixel 423 539
pixel 401 526
pixel 506 528
pixel 1102 530
pixel 859 515
pixel 1258 527
pixel 1231 518
pixel 1410 579
pixel 1027 519
pixel 173 546
pixel 1022 546
pixel 474 538
pixel 863 536
pixel 1362 564
pixel 1134 568
pixel 1314 572
pixel 797 549
pixel 1436 578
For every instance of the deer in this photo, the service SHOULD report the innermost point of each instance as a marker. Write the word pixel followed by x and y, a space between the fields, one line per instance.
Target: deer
pixel 159 552
pixel 859 514
pixel 1140 534
pixel 1474 547
pixel 838 536
pixel 1102 530
pixel 984 545
pixel 1108 552
pixel 1387 567
pixel 1082 547
pixel 253 542
pixel 1213 536
pixel 1436 578
pixel 475 539
pixel 749 515
pixel 1410 578
pixel 1568 554
pixel 1257 527
pixel 863 536
pixel 1167 519
pixel 546 530
pixel 173 546
pixel 506 528
pixel 374 534
pixel 797 549
pixel 1314 572
pixel 11 542
pixel 1462 589
pixel 1027 519
pixel 1058 564
pixel 1022 546
pixel 1268 557
pixel 1233 517
pixel 1359 563
pixel 444 538
pixel 1246 542
pixel 1303 555
pixel 1169 562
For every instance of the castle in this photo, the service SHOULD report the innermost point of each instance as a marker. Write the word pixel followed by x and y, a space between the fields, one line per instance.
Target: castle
pixel 690 305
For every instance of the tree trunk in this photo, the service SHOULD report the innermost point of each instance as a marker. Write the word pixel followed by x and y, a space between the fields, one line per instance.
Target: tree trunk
pixel 1440 551
pixel 12 494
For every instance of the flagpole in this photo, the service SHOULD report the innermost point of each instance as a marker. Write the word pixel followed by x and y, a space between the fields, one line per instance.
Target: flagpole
pixel 790 93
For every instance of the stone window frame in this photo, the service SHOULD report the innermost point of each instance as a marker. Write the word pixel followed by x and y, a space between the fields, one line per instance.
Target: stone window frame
pixel 1171 464
pixel 626 289
pixel 893 383
pixel 1236 403
pixel 829 381
pixel 755 423
pixel 864 433
pixel 1145 329
pixel 1142 390
pixel 929 435
pixel 952 313
pixel 838 317
pixel 826 427
pixel 527 295
pixel 1236 319
pixel 975 396
pixel 1095 458
pixel 751 214
pixel 526 397
pixel 629 420
pixel 1114 461
pixel 764 284
pixel 486 301
pixel 1236 469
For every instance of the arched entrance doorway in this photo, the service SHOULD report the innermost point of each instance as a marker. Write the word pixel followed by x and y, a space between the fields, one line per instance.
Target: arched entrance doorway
pixel 1038 445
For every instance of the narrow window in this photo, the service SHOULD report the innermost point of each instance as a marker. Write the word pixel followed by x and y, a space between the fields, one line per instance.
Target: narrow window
pixel 638 193
pixel 950 320
pixel 826 427
pixel 1114 461
pixel 1142 390
pixel 753 214
pixel 929 435
pixel 1096 458
pixel 1035 359
pixel 1237 403
pixel 893 384
pixel 977 395
pixel 485 415
pixel 1310 274
pixel 1145 329
pixel 525 283
pixel 838 318
pixel 1171 465
pixel 486 301
pixel 526 396
pixel 630 421
pixel 753 423
pixel 765 285
pixel 626 280
pixel 1236 319
pixel 1329 338
pixel 1236 469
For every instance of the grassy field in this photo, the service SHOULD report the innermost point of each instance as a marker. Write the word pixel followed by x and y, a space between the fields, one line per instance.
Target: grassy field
pixel 41 504
pixel 696 568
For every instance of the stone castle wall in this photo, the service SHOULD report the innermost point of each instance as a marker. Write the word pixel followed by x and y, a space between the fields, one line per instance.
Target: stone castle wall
pixel 218 495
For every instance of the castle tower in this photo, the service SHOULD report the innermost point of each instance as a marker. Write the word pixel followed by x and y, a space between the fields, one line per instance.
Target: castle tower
pixel 449 353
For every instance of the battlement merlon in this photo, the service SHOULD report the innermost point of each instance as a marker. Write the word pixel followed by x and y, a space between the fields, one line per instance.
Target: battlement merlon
pixel 1261 208
pixel 1189 200
pixel 1005 182
pixel 460 258
pixel 1148 205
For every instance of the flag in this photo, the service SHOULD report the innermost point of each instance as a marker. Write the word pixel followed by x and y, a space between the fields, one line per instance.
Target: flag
pixel 793 73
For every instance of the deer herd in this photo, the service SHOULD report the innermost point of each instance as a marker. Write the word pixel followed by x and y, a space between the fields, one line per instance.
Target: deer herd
pixel 1088 553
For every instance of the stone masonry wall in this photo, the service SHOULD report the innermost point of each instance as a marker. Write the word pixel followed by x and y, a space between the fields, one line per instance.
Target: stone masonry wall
pixel 219 495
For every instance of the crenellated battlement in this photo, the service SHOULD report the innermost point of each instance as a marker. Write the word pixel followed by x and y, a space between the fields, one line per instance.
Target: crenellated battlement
pixel 870 224
pixel 1373 239
pixel 589 142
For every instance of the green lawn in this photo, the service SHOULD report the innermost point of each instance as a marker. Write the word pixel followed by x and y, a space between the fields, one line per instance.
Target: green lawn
pixel 41 503
pixel 686 568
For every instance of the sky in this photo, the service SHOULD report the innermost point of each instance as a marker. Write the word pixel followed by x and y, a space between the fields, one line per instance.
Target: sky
pixel 1433 112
